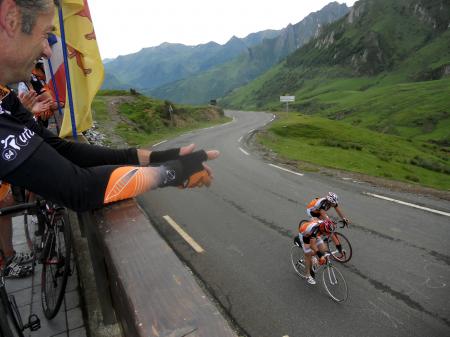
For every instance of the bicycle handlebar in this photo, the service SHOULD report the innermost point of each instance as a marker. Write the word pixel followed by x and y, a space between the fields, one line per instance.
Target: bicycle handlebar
pixel 19 208
pixel 344 223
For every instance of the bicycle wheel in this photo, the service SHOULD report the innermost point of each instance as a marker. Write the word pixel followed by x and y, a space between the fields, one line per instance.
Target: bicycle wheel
pixel 347 251
pixel 55 263
pixel 334 283
pixel 9 325
pixel 298 260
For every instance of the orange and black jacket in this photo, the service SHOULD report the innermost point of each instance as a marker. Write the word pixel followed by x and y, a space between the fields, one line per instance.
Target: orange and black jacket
pixel 75 175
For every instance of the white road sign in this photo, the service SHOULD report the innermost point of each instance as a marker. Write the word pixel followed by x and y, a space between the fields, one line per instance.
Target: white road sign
pixel 287 98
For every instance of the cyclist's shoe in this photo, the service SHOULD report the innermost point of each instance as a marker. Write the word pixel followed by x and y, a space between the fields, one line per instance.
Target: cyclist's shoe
pixel 297 241
pixel 22 257
pixel 311 280
pixel 14 270
pixel 340 255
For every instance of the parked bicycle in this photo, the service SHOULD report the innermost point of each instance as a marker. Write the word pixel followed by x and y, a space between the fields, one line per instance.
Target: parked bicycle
pixel 332 279
pixel 335 238
pixel 11 324
pixel 49 237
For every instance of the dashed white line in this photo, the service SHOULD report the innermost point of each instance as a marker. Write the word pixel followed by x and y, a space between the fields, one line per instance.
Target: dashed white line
pixel 183 234
pixel 284 169
pixel 407 204
pixel 244 152
pixel 161 142
pixel 240 138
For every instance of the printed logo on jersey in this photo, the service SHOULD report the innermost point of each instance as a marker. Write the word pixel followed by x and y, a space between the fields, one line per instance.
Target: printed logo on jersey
pixel 13 144
pixel 2 111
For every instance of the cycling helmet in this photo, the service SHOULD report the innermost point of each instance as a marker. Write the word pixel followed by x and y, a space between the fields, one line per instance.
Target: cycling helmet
pixel 326 226
pixel 333 198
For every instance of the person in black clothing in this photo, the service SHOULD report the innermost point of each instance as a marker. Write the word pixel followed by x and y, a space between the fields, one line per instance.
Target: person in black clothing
pixel 79 176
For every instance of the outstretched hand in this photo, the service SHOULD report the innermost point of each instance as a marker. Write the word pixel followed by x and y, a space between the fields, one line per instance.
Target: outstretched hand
pixel 189 170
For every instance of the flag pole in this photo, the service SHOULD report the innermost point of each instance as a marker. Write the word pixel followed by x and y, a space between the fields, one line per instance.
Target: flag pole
pixel 55 90
pixel 66 66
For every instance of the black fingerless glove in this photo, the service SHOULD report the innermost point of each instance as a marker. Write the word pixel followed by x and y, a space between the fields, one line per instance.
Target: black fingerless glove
pixel 158 157
pixel 178 172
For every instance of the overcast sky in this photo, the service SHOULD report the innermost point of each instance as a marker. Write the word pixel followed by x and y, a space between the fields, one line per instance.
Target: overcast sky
pixel 125 27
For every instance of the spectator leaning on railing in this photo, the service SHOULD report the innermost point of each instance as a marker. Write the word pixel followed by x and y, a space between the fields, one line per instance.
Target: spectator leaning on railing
pixel 78 176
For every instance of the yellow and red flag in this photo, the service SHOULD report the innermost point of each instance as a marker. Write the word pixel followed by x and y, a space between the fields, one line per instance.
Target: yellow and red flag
pixel 85 64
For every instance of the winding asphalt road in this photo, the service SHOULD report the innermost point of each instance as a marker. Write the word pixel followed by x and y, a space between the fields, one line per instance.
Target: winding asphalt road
pixel 399 276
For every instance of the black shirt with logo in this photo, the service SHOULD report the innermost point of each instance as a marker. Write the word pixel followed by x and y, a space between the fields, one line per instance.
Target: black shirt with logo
pixel 72 174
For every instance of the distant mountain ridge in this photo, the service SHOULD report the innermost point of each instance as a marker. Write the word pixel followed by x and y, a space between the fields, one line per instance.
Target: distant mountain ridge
pixel 219 80
pixel 168 62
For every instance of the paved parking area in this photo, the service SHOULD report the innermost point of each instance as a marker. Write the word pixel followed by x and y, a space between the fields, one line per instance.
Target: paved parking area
pixel 27 292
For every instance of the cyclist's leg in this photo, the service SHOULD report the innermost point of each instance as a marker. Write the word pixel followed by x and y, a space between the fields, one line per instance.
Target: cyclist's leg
pixel 10 262
pixel 337 242
pixel 306 243
pixel 322 248
pixel 6 244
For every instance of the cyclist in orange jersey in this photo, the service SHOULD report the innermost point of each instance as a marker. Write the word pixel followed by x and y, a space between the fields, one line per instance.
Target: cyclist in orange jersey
pixel 310 239
pixel 318 207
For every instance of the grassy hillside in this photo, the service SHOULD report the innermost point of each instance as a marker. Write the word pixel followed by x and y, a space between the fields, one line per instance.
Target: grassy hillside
pixel 142 120
pixel 335 144
pixel 385 68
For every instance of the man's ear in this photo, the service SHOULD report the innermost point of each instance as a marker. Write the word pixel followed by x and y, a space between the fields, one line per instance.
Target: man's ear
pixel 10 18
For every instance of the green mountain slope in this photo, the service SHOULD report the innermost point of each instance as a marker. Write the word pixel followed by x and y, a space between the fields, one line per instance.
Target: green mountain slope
pixel 220 80
pixel 168 62
pixel 385 66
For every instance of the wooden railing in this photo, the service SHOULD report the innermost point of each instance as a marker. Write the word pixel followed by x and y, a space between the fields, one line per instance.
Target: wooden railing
pixel 141 284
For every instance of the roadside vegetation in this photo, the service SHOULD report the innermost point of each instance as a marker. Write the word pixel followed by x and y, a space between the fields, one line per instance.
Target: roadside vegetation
pixel 339 145
pixel 142 120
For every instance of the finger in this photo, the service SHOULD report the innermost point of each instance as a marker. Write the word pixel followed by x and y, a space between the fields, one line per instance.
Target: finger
pixel 187 149
pixel 208 169
pixel 212 154
pixel 199 179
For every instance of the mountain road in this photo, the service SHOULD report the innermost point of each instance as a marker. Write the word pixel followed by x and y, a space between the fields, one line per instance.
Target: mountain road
pixel 237 236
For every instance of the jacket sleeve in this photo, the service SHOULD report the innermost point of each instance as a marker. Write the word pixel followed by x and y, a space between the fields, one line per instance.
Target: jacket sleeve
pixel 53 177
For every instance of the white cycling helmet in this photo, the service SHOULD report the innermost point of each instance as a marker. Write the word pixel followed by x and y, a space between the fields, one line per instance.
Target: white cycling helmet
pixel 333 198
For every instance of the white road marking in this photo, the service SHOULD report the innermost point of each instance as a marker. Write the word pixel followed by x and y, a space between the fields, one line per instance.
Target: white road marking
pixel 284 169
pixel 161 142
pixel 252 130
pixel 243 151
pixel 239 140
pixel 184 235
pixel 407 204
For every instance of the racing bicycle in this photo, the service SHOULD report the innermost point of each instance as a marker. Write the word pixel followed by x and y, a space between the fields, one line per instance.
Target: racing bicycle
pixel 11 324
pixel 334 238
pixel 48 232
pixel 332 279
